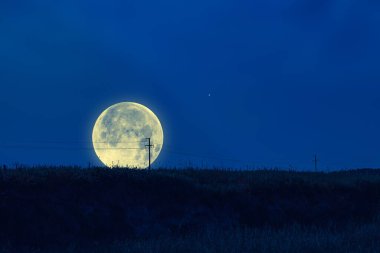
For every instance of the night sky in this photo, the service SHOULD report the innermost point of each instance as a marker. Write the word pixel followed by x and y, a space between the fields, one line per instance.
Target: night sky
pixel 235 83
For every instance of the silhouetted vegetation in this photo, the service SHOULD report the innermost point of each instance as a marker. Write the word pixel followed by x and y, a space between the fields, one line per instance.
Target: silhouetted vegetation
pixel 101 210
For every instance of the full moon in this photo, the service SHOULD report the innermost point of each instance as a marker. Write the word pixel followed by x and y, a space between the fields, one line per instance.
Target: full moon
pixel 121 135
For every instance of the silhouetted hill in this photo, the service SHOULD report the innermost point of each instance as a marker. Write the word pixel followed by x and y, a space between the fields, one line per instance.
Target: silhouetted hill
pixel 58 207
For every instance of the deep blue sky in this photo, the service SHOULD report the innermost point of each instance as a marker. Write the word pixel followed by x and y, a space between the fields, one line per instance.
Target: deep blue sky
pixel 287 78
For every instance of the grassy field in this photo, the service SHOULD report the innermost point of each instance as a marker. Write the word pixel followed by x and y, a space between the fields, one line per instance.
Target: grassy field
pixel 98 210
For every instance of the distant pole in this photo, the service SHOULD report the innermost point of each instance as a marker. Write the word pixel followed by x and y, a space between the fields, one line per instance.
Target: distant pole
pixel 315 163
pixel 149 146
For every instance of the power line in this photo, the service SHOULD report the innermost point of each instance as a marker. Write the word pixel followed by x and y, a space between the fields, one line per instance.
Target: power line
pixel 203 156
pixel 69 142
pixel 115 148
pixel 72 148
pixel 149 146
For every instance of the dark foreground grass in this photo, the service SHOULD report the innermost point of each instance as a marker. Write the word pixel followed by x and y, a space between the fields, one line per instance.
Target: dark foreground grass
pixel 290 239
pixel 60 210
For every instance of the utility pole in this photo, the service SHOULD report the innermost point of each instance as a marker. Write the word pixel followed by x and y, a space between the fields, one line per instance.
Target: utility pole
pixel 149 146
pixel 315 163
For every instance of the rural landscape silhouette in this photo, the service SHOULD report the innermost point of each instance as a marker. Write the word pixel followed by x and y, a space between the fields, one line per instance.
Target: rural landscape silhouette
pixel 199 126
pixel 71 209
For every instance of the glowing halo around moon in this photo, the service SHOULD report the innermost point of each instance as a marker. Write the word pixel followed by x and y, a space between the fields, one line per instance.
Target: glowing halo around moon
pixel 119 136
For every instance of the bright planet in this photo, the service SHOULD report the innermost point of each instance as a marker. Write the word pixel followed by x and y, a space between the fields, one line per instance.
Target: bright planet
pixel 121 136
